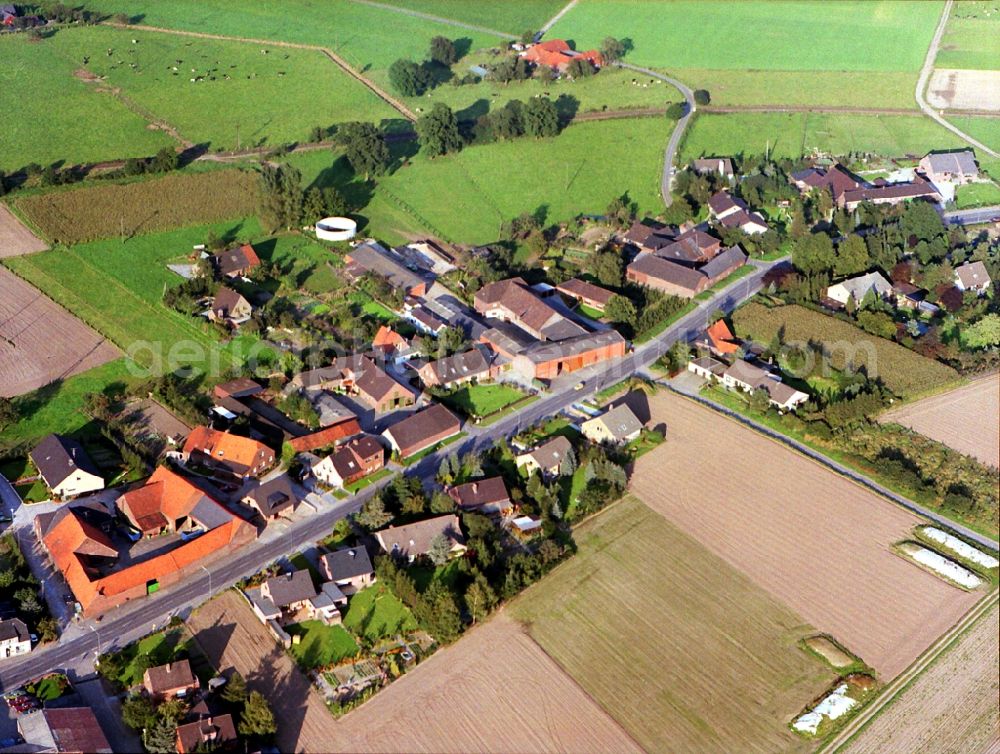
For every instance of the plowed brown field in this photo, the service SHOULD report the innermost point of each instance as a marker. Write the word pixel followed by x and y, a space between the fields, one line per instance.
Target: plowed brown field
pixel 40 341
pixel 231 637
pixel 816 541
pixel 966 419
pixel 493 691
pixel 952 708
pixel 15 238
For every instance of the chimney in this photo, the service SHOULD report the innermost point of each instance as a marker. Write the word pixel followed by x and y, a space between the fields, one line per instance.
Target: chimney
pixel 168 666
pixel 475 487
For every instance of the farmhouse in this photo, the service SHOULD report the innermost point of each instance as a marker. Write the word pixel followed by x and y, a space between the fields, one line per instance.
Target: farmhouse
pixel 334 434
pixel 62 729
pixel 357 375
pixel 950 167
pixel 372 258
pixel 750 378
pixel 649 234
pixel 482 496
pixel 719 165
pixel 458 369
pixel 506 339
pixel 175 679
pixel 664 275
pixel 422 430
pixel 414 540
pixel 734 213
pixel 837 180
pixel 353 461
pixel 548 458
pixel 14 638
pixel 168 502
pixel 615 426
pixel 227 453
pixel 723 264
pixel 972 277
pixel 513 301
pixel 691 247
pixel 241 387
pixel 586 293
pixel 229 306
pixel 273 498
pixel 236 262
pixel 425 320
pixel 890 193
pixel 349 568
pixel 546 361
pixel 557 55
pixel 858 287
pixel 207 733
pixel 65 467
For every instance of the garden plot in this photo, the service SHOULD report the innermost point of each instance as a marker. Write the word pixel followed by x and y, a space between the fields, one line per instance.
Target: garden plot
pixel 959 548
pixel 844 699
pixel 815 540
pixel 940 565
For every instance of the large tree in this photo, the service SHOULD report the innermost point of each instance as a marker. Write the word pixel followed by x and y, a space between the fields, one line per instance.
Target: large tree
pixel 408 78
pixel 852 256
pixel 257 718
pixel 621 309
pixel 612 49
pixel 281 196
pixel 365 148
pixel 607 266
pixel 443 51
pixel 437 131
pixel 813 253
pixel 540 117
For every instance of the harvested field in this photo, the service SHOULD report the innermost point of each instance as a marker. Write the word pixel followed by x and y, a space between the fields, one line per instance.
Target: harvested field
pixel 966 419
pixel 951 708
pixel 172 201
pixel 816 541
pixel 957 89
pixel 683 650
pixel 40 341
pixel 231 637
pixel 477 696
pixel 15 238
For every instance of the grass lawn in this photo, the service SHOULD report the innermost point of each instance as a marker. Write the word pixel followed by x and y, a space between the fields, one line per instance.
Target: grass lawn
pixel 271 98
pixel 301 563
pixel 368 480
pixel 512 17
pixel 304 263
pixel 795 36
pixel 795 134
pixel 986 130
pixel 482 400
pixel 40 74
pixel 977 195
pixel 644 443
pixel 571 489
pixel 376 613
pixel 586 311
pixel 971 38
pixel 427 451
pixel 161 647
pixel 50 687
pixel 320 644
pixel 466 196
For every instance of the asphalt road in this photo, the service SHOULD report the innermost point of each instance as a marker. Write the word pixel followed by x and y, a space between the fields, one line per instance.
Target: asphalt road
pixel 135 619
pixel 972 216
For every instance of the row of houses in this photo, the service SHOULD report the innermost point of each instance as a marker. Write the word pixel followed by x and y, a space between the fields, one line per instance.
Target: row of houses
pixel 972 276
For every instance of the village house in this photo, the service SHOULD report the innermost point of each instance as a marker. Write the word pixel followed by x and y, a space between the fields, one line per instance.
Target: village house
pixel 274 498
pixel 288 593
pixel 616 426
pixel 973 277
pixel 857 288
pixel 557 55
pixel 65 467
pixel 547 361
pixel 548 458
pixel 707 367
pixel 412 541
pixel 236 456
pixel 691 248
pixel 208 733
pixel 236 262
pixel 171 681
pixel 391 345
pixel 513 301
pixel 351 462
pixel 349 568
pixel 482 496
pixel 357 375
pixel 458 369
pixel 61 729
pixel 14 638
pixel 229 306
pixel 374 259
pixel 891 193
pixel 585 293
pixel 425 320
pixel 950 167
pixel 335 434
pixel 837 180
pixel 422 430
pixel 649 235
pixel 667 276
pixel 718 165
pixel 745 376
pixel 732 212
pixel 719 339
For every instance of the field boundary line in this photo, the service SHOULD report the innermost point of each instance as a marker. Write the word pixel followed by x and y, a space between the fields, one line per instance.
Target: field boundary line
pixel 555 19
pixel 924 79
pixel 437 19
pixel 904 680
pixel 343 64
pixel 838 468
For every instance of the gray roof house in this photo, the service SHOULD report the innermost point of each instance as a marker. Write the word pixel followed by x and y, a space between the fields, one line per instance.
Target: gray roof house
pixel 972 277
pixel 858 287
pixel 950 167
pixel 66 467
pixel 350 568
pixel 413 540
pixel 273 497
pixel 617 425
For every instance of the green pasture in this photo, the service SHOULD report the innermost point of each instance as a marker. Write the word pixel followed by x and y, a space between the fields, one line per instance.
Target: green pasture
pixel 972 37
pixel 50 115
pixel 798 35
pixel 512 16
pixel 977 195
pixel 986 130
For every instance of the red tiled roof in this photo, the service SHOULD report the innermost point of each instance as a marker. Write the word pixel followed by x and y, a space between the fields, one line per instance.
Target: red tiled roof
pixel 328 436
pixel 721 337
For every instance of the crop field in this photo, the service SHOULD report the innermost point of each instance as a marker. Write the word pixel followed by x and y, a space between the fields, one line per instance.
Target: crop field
pixel 40 341
pixel 512 17
pixel 35 75
pixel 682 649
pixel 903 371
pixel 972 37
pixel 15 237
pixel 466 196
pixel 966 419
pixel 232 637
pixel 950 707
pixel 130 209
pixel 794 36
pixel 795 134
pixel 792 527
pixel 214 91
pixel 957 89
pixel 494 690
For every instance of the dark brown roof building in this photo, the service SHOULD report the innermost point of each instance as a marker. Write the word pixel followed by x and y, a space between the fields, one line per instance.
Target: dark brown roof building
pixel 237 261
pixel 587 293
pixel 170 680
pixel 273 497
pixel 512 300
pixel 62 729
pixel 209 733
pixel 422 430
pixel 482 495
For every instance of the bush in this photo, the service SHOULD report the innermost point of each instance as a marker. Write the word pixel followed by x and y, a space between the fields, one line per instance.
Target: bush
pixel 676 110
pixel 702 97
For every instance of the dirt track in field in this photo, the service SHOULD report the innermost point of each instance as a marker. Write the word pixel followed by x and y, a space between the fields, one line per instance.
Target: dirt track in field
pixel 951 708
pixel 40 341
pixel 15 238
pixel 492 691
pixel 816 541
pixel 231 636
pixel 966 419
